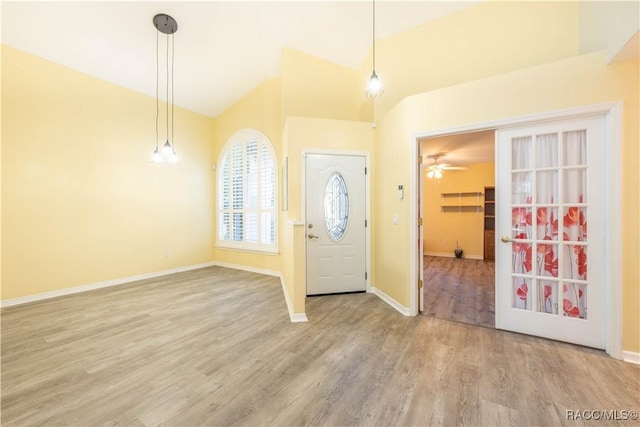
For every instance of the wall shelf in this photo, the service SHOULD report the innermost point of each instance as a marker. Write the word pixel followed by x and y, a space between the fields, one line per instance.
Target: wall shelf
pixel 463 194
pixel 461 208
pixel 461 202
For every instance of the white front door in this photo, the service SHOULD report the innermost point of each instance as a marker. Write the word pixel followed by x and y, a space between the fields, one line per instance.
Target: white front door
pixel 551 225
pixel 335 209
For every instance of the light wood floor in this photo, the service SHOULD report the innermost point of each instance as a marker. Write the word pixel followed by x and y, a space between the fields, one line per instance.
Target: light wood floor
pixel 459 289
pixel 215 347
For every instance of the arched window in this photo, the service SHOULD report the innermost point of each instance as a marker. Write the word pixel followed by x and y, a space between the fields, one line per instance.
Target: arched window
pixel 247 193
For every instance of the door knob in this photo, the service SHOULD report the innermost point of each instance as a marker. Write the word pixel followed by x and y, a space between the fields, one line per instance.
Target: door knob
pixel 506 239
pixel 312 236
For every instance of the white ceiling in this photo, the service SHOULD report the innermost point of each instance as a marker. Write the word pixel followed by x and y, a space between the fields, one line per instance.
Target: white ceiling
pixel 461 149
pixel 223 49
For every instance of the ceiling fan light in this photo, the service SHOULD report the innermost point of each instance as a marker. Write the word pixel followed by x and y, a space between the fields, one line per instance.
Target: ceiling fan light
pixel 430 174
pixel 437 174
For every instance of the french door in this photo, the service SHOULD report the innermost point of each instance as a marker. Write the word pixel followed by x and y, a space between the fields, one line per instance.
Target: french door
pixel 550 230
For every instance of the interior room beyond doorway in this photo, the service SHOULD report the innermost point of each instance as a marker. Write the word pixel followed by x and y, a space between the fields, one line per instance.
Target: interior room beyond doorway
pixel 458 208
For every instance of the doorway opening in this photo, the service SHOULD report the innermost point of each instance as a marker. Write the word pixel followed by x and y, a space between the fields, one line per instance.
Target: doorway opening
pixel 457 205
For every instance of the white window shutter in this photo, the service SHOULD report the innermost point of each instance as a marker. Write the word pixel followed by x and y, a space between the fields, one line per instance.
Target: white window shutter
pixel 247 185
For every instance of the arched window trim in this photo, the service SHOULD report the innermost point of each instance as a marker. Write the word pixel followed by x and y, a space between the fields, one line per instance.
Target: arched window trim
pixel 225 233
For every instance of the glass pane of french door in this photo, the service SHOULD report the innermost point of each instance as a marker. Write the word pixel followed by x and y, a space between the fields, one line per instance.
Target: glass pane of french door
pixel 549 223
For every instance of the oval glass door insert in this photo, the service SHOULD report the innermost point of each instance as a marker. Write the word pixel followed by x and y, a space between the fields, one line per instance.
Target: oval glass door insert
pixel 336 206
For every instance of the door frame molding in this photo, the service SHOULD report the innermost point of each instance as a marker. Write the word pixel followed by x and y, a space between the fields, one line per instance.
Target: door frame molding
pixel 612 112
pixel 367 183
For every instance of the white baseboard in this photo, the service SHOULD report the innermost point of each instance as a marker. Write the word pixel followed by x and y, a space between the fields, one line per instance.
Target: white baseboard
pixel 631 357
pixel 99 285
pixel 295 317
pixel 451 255
pixel 298 317
pixel 405 311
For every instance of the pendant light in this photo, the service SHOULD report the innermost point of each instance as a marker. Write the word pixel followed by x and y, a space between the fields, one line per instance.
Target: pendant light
pixel 374 88
pixel 167 25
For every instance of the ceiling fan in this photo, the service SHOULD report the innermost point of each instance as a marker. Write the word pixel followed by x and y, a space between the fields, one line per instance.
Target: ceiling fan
pixel 435 170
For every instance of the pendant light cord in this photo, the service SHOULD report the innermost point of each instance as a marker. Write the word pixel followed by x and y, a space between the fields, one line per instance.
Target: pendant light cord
pixel 167 87
pixel 157 86
pixel 374 36
pixel 173 51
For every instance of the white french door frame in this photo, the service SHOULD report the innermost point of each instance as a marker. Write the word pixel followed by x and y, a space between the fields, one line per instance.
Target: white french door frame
pixel 612 112
pixel 303 199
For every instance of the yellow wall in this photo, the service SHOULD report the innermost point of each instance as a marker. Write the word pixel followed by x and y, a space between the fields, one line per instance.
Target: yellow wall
pixel 81 202
pixel 488 39
pixel 579 81
pixel 391 250
pixel 311 133
pixel 0 167
pixel 314 87
pixel 441 230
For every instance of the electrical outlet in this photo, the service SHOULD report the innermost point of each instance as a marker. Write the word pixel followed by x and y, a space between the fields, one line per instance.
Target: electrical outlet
pixel 167 253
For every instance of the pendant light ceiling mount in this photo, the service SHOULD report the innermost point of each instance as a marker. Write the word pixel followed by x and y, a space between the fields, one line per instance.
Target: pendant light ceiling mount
pixel 165 24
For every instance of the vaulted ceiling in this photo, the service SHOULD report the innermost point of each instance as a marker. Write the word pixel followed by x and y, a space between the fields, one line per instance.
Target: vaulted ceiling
pixel 223 49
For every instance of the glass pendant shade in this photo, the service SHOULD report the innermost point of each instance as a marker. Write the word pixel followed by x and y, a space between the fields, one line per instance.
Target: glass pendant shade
pixel 173 157
pixel 156 157
pixel 167 149
pixel 374 88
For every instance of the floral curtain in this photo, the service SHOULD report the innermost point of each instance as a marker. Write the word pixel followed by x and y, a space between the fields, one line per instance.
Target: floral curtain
pixel 549 223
